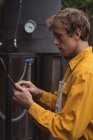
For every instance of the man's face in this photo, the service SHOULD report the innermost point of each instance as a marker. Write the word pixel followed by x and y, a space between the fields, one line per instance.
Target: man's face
pixel 66 44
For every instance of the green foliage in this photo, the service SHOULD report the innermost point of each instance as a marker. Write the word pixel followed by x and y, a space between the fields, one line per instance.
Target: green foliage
pixel 85 5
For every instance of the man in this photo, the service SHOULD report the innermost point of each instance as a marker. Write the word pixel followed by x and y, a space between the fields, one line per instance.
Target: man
pixel 70 28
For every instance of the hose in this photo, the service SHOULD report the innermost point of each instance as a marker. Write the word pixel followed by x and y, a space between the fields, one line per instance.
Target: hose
pixel 29 60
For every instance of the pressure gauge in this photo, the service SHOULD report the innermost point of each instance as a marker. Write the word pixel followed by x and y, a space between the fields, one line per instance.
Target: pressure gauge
pixel 30 26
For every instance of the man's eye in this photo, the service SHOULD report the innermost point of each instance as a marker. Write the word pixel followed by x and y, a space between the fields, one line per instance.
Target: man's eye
pixel 60 37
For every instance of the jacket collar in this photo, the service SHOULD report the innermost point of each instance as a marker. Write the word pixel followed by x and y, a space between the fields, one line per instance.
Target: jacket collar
pixel 74 62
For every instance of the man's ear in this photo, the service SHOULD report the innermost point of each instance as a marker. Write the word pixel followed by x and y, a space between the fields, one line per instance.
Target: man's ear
pixel 77 34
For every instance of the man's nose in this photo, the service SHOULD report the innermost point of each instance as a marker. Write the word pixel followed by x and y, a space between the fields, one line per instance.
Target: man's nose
pixel 55 41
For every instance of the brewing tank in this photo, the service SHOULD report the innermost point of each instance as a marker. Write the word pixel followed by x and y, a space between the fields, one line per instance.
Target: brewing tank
pixel 29 56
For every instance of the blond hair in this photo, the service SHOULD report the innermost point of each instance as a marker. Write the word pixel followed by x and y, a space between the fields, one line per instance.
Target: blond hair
pixel 71 19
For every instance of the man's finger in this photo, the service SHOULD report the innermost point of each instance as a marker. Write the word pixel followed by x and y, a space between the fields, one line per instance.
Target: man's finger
pixel 24 82
pixel 19 87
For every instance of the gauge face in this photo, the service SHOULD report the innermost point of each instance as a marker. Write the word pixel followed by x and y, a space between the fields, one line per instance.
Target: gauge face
pixel 30 26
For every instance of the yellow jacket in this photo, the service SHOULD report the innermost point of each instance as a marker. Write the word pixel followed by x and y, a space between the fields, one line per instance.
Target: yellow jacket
pixel 75 121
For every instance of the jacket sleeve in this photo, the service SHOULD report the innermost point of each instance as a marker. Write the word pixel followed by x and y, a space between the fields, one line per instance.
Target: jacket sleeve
pixel 76 114
pixel 48 100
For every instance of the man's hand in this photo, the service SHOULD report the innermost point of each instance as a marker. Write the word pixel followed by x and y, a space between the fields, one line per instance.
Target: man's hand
pixel 22 96
pixel 35 91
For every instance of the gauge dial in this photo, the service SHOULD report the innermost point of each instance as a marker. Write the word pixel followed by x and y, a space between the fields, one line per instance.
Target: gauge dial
pixel 30 26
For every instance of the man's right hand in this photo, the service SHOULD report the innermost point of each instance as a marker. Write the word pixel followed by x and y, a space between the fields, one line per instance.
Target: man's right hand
pixel 35 91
